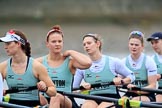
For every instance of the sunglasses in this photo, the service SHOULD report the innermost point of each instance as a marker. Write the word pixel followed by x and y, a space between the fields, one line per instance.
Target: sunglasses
pixel 137 33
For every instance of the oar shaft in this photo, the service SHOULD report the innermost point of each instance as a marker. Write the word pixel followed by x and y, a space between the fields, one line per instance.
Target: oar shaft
pixel 93 97
pixel 108 99
pixel 21 89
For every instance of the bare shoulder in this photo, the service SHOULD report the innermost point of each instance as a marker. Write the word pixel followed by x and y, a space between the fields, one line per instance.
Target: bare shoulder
pixel 37 64
pixel 3 67
pixel 3 64
pixel 39 69
pixel 39 59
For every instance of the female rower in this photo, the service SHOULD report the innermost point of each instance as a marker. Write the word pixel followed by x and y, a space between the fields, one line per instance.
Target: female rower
pixel 22 71
pixel 156 42
pixel 61 66
pixel 143 66
pixel 104 69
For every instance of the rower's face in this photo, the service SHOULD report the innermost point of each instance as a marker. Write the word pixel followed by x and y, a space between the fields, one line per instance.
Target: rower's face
pixel 157 45
pixel 55 42
pixel 135 46
pixel 90 45
pixel 11 48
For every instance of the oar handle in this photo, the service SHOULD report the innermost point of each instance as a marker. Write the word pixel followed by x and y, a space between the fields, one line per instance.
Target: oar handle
pixel 15 90
pixel 95 85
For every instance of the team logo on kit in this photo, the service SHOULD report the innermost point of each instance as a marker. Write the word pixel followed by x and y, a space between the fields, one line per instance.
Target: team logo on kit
pixel 88 75
pixel 59 83
pixel 10 76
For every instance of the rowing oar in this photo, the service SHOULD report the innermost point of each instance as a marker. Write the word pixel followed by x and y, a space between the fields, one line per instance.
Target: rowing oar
pixel 143 89
pixel 9 105
pixel 132 103
pixel 15 90
pixel 95 85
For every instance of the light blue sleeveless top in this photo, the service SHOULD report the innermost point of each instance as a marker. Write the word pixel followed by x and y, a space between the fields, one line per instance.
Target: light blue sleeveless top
pixel 102 77
pixel 61 76
pixel 140 74
pixel 22 81
pixel 159 69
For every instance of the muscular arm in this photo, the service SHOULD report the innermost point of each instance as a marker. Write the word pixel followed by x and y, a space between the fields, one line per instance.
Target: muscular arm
pixel 79 60
pixel 41 73
pixel 3 67
pixel 152 82
pixel 152 72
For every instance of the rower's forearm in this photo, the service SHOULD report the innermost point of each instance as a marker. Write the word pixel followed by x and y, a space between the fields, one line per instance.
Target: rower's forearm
pixel 81 58
pixel 51 91
pixel 153 86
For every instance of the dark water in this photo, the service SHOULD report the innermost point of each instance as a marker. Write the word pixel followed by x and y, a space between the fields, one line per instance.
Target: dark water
pixel 115 37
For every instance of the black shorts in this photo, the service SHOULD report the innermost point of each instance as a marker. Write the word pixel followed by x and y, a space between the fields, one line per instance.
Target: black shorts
pixel 117 96
pixel 159 93
pixel 29 103
pixel 151 96
pixel 74 104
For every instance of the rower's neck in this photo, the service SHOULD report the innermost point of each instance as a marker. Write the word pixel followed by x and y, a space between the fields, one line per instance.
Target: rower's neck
pixel 55 57
pixel 96 56
pixel 135 57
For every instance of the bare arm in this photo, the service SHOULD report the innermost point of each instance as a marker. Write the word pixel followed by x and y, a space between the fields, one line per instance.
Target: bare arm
pixel 152 82
pixel 125 73
pixel 3 67
pixel 39 59
pixel 152 73
pixel 79 60
pixel 44 78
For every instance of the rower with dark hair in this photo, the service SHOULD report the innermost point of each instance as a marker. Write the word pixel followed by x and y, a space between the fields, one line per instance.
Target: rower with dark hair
pixel 22 71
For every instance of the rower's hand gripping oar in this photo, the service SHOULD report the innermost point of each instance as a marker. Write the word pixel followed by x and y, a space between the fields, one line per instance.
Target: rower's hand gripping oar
pixel 15 90
pixel 95 85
